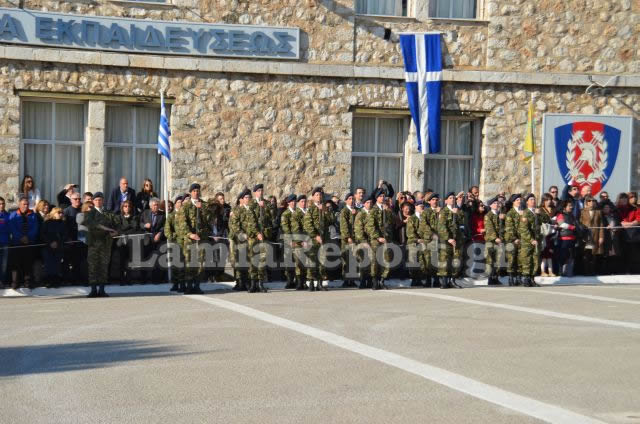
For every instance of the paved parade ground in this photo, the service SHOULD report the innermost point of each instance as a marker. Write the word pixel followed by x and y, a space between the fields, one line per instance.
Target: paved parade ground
pixel 493 355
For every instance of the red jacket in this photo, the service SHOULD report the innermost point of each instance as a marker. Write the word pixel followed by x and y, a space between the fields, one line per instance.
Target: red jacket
pixel 477 227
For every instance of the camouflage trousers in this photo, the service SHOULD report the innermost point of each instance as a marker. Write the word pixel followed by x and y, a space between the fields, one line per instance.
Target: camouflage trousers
pixel 528 259
pixel 258 260
pixel 238 257
pixel 301 270
pixel 449 259
pixel 98 256
pixel 418 260
pixel 512 258
pixel 193 267
pixel 363 253
pixel 348 259
pixel 381 270
pixel 492 254
pixel 177 272
pixel 316 270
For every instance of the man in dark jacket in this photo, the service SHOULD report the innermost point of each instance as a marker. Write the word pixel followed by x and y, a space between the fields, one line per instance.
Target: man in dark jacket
pixel 75 254
pixel 25 230
pixel 120 194
pixel 152 221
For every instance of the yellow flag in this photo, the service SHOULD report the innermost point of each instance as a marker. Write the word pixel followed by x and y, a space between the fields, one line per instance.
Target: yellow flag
pixel 529 145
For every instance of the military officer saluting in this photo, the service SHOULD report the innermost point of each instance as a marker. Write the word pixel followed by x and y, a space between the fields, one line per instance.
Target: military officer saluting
pixel 494 240
pixel 286 227
pixel 316 226
pixel 512 239
pixel 347 221
pixel 193 227
pixel 100 225
pixel 530 237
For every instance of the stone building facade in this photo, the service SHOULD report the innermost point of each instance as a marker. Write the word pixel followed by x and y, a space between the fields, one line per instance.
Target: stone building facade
pixel 337 116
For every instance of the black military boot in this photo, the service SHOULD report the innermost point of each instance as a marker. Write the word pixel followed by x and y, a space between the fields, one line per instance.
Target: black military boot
pixel 375 285
pixel 532 281
pixel 321 286
pixel 101 292
pixel 519 280
pixel 196 289
pixel 94 292
pixel 511 280
pixel 181 287
pixel 290 284
pixel 261 287
pixel 174 287
pixel 414 282
pixel 312 286
pixel 383 285
pixel 363 283
pixel 444 283
pixel 299 285
pixel 436 282
pixel 253 288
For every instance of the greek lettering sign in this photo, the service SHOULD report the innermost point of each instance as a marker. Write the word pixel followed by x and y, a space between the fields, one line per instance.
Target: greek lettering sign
pixel 19 26
pixel 592 150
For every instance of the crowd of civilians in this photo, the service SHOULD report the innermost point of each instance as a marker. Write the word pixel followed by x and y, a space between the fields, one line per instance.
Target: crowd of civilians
pixel 43 243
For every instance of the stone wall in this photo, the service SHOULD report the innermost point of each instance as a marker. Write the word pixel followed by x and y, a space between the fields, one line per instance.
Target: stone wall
pixel 594 36
pixel 292 133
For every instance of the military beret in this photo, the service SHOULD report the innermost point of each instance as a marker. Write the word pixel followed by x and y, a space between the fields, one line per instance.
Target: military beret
pixel 244 193
pixel 194 186
pixel 419 203
pixel 379 193
pixel 492 201
pixel 348 195
pixel 515 197
pixel 371 198
pixel 317 190
pixel 98 195
pixel 291 198
pixel 451 193
pixel 302 197
pixel 178 198
pixel 432 196
pixel 529 196
pixel 258 187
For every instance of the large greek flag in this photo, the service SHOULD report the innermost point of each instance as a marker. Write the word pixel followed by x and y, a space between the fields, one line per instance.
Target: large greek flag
pixel 423 73
pixel 164 148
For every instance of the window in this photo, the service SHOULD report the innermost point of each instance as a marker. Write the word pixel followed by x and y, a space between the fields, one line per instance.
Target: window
pixel 454 9
pixel 457 167
pixel 131 149
pixel 382 7
pixel 53 135
pixel 378 146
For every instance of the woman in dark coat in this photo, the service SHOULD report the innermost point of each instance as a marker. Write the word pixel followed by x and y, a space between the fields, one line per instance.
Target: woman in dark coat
pixel 144 196
pixel 53 233
pixel 126 224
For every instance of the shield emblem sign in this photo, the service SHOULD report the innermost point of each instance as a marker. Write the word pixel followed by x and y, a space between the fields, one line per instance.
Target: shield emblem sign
pixel 586 153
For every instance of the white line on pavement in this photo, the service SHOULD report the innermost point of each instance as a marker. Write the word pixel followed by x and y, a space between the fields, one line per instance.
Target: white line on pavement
pixel 586 296
pixel 524 405
pixel 583 318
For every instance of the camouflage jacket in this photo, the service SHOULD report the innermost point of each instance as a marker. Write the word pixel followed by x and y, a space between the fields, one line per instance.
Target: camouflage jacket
pixel 264 217
pixel 316 222
pixel 360 226
pixel 235 226
pixel 249 223
pixel 428 224
pixel 447 228
pixel 492 227
pixel 528 228
pixel 379 223
pixel 413 230
pixel 286 222
pixel 347 224
pixel 192 220
pixel 170 230
pixel 511 226
pixel 92 220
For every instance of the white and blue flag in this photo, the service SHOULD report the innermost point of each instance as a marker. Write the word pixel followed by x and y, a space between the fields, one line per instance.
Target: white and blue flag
pixel 423 74
pixel 164 148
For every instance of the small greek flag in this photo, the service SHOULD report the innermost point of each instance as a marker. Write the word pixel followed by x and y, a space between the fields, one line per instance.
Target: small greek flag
pixel 422 55
pixel 164 148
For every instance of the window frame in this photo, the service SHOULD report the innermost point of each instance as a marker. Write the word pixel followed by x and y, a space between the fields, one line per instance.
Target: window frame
pixel 53 143
pixel 375 154
pixel 158 185
pixel 476 150
pixel 407 15
pixel 433 9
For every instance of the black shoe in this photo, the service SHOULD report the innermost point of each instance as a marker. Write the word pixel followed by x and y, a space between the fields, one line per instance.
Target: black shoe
pixel 312 286
pixel 174 287
pixel 321 286
pixel 445 283
pixel 181 288
pixel 518 281
pixel 375 284
pixel 253 288
pixel 290 283
pixel 532 282
pixel 196 289
pixel 188 288
pixel 261 287
pixel 94 292
pixel 383 285
pixel 102 293
pixel 300 285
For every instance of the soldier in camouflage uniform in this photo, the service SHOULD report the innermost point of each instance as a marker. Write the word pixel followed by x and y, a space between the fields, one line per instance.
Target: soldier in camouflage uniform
pixel 238 250
pixel 297 229
pixel 415 246
pixel 170 231
pixel 250 227
pixel 449 236
pixel 511 238
pixel 99 238
pixel 192 224
pixel 266 215
pixel 493 237
pixel 286 233
pixel 378 227
pixel 316 226
pixel 530 239
pixel 347 221
pixel 429 233
pixel 362 241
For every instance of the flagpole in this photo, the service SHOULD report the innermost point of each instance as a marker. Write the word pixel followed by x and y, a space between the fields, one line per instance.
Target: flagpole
pixel 165 172
pixel 533 157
